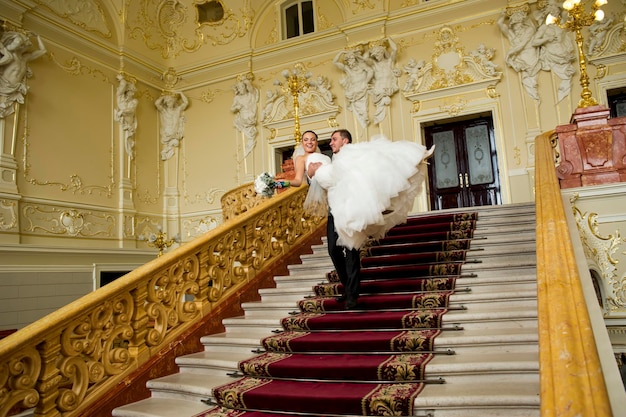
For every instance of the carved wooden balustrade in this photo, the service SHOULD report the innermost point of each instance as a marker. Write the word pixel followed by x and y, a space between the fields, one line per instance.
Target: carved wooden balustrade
pixel 61 364
pixel 571 378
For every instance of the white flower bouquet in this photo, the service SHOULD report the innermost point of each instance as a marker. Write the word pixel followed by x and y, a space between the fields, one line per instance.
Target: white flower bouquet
pixel 265 184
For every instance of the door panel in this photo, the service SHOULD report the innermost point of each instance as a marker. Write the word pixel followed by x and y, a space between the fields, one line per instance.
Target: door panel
pixel 464 169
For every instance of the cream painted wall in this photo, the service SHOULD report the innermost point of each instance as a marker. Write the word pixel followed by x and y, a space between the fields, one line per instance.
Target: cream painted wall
pixel 76 187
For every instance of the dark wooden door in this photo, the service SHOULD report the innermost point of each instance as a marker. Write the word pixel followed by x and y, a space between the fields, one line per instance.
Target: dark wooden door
pixel 464 169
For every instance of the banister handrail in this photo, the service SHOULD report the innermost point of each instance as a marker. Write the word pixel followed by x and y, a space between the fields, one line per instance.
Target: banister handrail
pixel 62 363
pixel 571 379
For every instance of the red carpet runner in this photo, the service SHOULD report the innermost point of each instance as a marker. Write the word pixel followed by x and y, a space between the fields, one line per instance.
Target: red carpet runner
pixel 370 361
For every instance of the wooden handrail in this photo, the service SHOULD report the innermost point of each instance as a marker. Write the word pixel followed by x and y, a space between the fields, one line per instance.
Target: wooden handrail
pixel 64 362
pixel 571 379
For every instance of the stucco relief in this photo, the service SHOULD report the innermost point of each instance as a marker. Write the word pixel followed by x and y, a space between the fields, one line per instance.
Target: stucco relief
pixel 166 27
pixel 195 227
pixel 88 14
pixel 608 40
pixel 317 99
pixel 49 220
pixel 8 215
pixel 449 66
pixel 449 73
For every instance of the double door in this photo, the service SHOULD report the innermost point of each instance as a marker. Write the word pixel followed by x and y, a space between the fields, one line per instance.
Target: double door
pixel 463 171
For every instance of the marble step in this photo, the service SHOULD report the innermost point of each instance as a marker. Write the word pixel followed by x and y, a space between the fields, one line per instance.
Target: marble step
pixel 500 260
pixel 526 298
pixel 522 313
pixel 196 387
pixel 466 366
pixel 498 335
pixel 161 407
pixel 457 366
pixel 493 398
pixel 515 273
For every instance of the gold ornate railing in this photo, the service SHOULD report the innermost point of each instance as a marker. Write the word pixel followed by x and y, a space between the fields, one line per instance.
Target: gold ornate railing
pixel 61 364
pixel 572 383
pixel 239 200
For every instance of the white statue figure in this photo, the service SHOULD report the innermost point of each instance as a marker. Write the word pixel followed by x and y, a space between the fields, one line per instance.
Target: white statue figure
pixel 385 82
pixel 171 111
pixel 483 56
pixel 270 98
pixel 355 83
pixel 322 85
pixel 125 113
pixel 245 107
pixel 522 56
pixel 414 70
pixel 15 55
pixel 597 33
pixel 557 50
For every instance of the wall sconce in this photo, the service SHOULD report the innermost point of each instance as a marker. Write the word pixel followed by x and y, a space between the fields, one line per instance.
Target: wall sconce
pixel 159 240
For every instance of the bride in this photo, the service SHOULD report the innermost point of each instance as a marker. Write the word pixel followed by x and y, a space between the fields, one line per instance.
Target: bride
pixel 370 186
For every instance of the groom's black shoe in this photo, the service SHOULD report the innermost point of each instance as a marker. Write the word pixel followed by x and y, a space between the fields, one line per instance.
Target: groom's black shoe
pixel 341 298
pixel 351 303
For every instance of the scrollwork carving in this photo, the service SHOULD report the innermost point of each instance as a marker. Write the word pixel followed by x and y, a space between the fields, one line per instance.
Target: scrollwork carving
pixel 166 21
pixel 599 250
pixel 10 207
pixel 72 222
pixel 167 306
pixel 18 376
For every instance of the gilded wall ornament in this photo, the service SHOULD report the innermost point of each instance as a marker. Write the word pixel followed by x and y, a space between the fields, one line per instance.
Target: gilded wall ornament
pixel 359 5
pixel 75 67
pixel 449 67
pixel 51 220
pixel 8 215
pixel 76 186
pixel 517 155
pixel 165 26
pixel 453 109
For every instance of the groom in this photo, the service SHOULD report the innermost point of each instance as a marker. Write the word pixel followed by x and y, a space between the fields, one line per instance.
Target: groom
pixel 347 262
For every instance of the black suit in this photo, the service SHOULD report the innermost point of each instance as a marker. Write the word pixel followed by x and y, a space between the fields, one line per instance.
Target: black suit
pixel 347 262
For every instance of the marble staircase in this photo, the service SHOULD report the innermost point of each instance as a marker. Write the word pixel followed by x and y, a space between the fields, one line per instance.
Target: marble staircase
pixel 486 365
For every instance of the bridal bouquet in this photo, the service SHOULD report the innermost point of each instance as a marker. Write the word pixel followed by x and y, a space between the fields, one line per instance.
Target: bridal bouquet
pixel 265 184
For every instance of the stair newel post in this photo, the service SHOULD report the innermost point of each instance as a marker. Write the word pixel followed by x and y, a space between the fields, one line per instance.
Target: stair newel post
pixel 49 377
pixel 137 346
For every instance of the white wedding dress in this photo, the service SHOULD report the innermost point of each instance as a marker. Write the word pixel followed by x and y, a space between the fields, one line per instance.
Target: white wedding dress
pixel 370 187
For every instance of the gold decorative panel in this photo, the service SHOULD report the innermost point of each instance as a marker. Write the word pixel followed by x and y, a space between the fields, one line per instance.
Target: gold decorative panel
pixel 167 26
pixel 49 220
